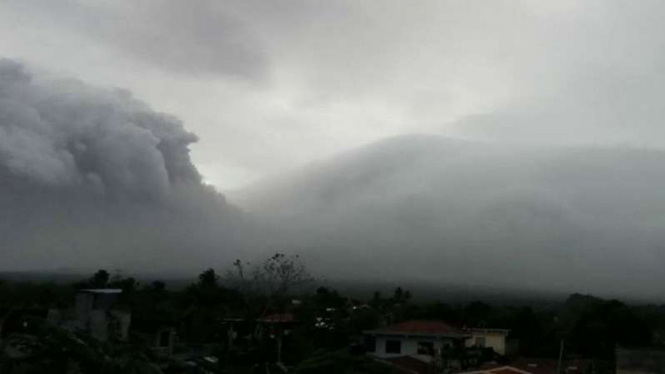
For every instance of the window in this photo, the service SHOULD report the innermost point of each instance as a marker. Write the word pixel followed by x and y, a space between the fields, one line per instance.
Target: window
pixel 370 344
pixel 393 346
pixel 426 348
pixel 165 338
pixel 480 341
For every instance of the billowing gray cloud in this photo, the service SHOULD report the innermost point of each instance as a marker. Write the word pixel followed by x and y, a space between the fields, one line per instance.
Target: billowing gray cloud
pixel 95 178
pixel 65 134
pixel 448 211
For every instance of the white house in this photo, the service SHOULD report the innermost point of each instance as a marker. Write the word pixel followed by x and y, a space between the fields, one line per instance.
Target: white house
pixel 418 339
pixel 95 313
pixel 434 343
pixel 488 338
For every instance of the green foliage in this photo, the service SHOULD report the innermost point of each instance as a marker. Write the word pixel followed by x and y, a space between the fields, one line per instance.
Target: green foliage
pixel 30 295
pixel 364 319
pixel 595 327
pixel 99 280
pixel 57 351
pixel 208 279
pixel 326 298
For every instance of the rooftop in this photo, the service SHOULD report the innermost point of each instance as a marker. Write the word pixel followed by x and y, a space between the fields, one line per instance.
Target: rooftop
pixel 489 330
pixel 102 290
pixel 416 327
pixel 277 318
pixel 533 366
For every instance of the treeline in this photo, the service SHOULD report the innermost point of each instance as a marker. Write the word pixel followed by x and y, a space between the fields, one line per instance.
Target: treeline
pixel 328 321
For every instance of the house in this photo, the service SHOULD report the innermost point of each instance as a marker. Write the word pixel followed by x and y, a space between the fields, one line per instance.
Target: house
pixel 277 318
pixel 275 324
pixel 436 344
pixel 640 361
pixel 95 313
pixel 423 340
pixel 488 338
pixel 161 340
pixel 535 366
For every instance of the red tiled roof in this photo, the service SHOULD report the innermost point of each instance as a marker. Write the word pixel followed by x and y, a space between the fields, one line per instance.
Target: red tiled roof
pixel 534 366
pixel 422 328
pixel 277 318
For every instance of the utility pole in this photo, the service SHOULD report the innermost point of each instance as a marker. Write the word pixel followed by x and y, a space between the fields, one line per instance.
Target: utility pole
pixel 558 367
pixel 279 345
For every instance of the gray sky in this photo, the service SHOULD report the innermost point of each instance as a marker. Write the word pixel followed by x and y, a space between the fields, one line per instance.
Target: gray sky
pixel 271 85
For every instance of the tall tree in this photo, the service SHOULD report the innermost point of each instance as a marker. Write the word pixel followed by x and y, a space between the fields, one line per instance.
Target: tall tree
pixel 100 279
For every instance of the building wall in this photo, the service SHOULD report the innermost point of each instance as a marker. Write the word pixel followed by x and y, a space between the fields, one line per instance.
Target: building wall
pixel 84 303
pixel 494 340
pixel 121 320
pixel 164 341
pixel 640 361
pixel 409 347
pixel 99 325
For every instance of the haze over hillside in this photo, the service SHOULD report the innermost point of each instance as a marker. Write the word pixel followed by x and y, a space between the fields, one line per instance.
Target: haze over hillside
pixel 440 209
pixel 94 178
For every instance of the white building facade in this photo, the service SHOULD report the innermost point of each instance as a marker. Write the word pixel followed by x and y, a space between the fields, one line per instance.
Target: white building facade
pixel 423 340
pixel 488 338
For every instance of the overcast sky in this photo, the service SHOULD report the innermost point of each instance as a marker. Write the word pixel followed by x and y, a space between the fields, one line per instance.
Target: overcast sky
pixel 269 85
